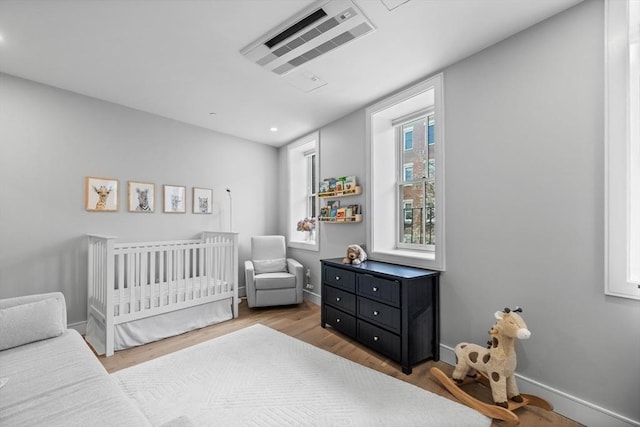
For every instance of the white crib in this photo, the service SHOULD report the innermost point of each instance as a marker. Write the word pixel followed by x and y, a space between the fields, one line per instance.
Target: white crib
pixel 141 292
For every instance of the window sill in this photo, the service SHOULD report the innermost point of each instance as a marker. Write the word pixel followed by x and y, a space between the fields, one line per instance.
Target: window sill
pixel 420 259
pixel 300 244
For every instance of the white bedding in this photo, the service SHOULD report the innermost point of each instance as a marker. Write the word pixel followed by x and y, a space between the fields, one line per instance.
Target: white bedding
pixel 59 382
pixel 149 329
pixel 154 328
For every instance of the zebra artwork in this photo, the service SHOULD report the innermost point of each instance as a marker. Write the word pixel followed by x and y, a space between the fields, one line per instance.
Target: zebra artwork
pixel 143 200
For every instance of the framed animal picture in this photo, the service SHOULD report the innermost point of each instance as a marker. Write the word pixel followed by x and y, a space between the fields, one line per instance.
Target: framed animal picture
pixel 101 194
pixel 142 196
pixel 175 199
pixel 202 200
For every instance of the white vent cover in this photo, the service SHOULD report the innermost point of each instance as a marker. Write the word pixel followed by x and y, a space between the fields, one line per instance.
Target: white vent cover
pixel 314 32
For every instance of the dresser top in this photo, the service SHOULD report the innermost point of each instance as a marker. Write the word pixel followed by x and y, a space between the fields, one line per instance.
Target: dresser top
pixel 377 267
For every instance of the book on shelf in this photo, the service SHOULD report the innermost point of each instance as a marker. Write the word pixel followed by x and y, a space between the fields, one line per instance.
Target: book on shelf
pixel 349 185
pixel 340 185
pixel 341 214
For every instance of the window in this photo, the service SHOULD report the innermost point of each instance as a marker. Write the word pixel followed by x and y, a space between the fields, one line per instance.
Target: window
pixel 622 148
pixel 416 184
pixel 408 138
pixel 310 160
pixel 408 171
pixel 406 202
pixel 302 185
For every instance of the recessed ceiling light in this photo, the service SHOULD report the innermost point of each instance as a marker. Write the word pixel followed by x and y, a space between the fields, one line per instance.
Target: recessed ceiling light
pixel 273 129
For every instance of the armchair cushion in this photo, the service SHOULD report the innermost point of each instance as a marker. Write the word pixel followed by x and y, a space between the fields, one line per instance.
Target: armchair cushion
pixel 275 265
pixel 275 281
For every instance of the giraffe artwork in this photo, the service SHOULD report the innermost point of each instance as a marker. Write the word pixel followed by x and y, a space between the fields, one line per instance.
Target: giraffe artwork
pixel 498 361
pixel 103 195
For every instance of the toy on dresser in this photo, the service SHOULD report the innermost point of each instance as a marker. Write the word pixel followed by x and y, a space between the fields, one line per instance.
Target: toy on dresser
pixel 355 255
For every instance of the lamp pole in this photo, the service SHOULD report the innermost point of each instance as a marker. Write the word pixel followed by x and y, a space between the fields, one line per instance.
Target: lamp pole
pixel 230 211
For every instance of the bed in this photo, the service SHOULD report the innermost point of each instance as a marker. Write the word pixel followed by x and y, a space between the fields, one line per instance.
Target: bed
pixel 143 292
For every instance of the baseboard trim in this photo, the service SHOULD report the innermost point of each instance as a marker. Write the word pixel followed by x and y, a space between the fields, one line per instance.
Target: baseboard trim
pixel 81 327
pixel 312 297
pixel 570 406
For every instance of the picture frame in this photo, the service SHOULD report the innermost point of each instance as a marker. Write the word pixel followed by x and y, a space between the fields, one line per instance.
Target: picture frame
pixel 202 200
pixel 101 194
pixel 141 196
pixel 174 198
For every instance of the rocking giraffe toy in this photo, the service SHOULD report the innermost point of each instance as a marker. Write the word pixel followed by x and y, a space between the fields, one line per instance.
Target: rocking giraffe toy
pixel 494 367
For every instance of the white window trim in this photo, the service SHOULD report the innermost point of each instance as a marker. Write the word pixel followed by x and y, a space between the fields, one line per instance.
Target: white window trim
pixel 622 159
pixel 379 196
pixel 297 153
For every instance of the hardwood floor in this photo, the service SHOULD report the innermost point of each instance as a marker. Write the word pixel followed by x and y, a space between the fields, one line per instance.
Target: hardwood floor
pixel 303 322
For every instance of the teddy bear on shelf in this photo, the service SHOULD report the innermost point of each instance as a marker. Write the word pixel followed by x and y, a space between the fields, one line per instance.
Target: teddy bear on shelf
pixel 355 255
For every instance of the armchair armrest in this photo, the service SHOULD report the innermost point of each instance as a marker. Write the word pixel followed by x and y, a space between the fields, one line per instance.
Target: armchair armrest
pixel 249 271
pixel 249 281
pixel 297 269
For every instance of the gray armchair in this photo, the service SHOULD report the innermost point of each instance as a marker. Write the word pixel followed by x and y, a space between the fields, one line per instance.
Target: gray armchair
pixel 271 277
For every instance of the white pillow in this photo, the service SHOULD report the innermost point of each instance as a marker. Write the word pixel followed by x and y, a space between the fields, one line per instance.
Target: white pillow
pixel 26 323
pixel 270 265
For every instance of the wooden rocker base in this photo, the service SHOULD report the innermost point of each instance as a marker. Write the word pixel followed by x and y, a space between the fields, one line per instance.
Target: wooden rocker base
pixel 489 409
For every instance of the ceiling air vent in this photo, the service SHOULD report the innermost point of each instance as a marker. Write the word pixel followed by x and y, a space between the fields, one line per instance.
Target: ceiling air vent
pixel 309 35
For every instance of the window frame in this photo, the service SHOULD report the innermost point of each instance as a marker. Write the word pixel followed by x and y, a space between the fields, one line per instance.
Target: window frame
pixel 302 194
pixel 384 219
pixel 622 153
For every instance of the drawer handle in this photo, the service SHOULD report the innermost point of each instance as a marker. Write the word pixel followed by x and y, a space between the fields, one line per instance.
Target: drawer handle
pixel 337 277
pixel 338 320
pixel 375 313
pixel 375 289
pixel 337 299
pixel 376 338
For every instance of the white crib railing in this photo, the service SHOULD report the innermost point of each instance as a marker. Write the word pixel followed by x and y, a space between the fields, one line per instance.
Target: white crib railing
pixel 131 281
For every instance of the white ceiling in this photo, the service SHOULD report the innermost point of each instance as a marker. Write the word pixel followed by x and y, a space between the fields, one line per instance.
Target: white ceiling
pixel 180 58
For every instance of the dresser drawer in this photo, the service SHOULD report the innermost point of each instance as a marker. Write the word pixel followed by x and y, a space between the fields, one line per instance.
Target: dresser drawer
pixel 380 340
pixel 340 321
pixel 341 299
pixel 384 290
pixel 340 278
pixel 382 315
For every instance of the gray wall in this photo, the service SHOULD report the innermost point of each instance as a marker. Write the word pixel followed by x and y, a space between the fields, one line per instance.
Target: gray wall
pixel 51 139
pixel 524 201
pixel 340 153
pixel 525 205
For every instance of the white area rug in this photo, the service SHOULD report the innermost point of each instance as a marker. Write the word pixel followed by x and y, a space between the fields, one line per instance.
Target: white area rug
pixel 261 377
